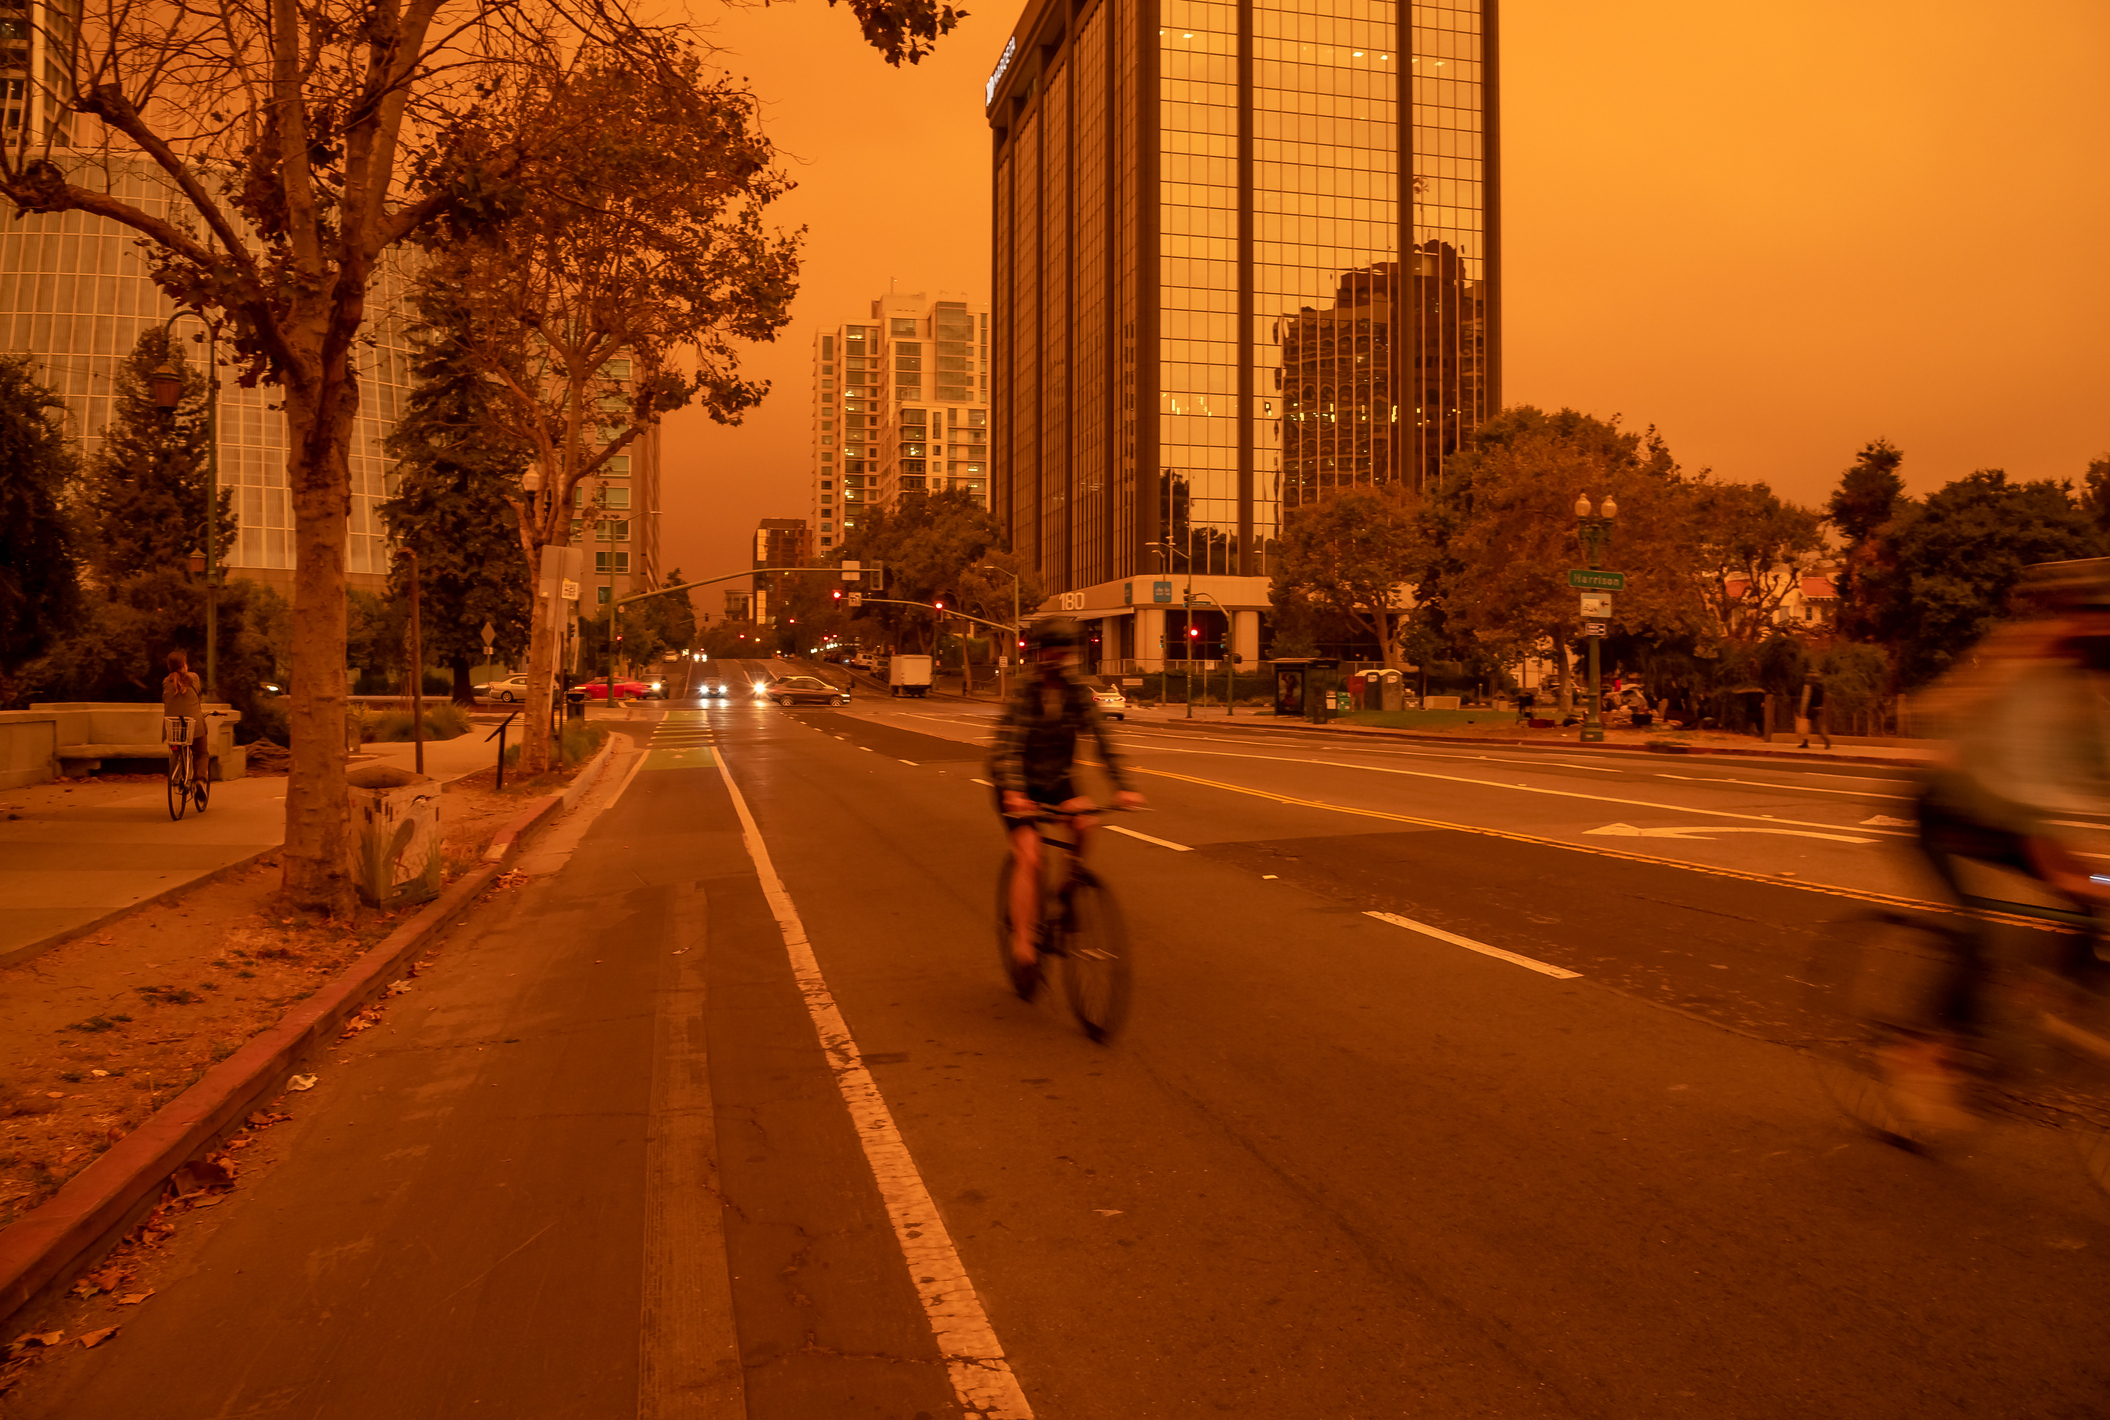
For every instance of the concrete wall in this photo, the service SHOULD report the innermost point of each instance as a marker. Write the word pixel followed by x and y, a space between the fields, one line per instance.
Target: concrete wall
pixel 29 741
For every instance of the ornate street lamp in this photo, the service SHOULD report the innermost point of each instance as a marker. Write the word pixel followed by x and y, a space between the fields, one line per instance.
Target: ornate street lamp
pixel 1595 528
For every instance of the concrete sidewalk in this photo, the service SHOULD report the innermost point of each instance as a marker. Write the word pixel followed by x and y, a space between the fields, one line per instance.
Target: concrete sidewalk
pixel 75 855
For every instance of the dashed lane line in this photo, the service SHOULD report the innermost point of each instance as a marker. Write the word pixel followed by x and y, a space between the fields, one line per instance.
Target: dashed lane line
pixel 974 1358
pixel 1161 842
pixel 1528 963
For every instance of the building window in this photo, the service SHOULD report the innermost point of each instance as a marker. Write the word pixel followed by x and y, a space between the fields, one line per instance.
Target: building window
pixel 615 497
pixel 827 498
pixel 826 540
pixel 618 466
pixel 912 466
pixel 827 347
pixel 615 530
pixel 622 564
pixel 827 384
pixel 900 326
pixel 615 370
pixel 827 483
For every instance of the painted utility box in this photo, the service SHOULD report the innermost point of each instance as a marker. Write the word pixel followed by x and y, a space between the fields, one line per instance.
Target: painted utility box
pixel 394 849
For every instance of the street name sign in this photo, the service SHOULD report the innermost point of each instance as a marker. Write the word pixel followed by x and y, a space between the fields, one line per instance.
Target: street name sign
pixel 1596 580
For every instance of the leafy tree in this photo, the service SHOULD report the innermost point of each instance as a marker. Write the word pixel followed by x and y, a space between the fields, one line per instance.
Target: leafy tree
pixel 1507 532
pixel 930 545
pixel 458 473
pixel 39 573
pixel 2095 493
pixel 1752 549
pixel 1353 556
pixel 144 494
pixel 1870 497
pixel 1957 557
pixel 646 246
pixel 298 146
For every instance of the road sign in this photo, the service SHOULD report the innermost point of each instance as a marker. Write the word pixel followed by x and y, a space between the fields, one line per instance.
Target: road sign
pixel 857 599
pixel 1602 581
pixel 1597 605
pixel 1593 628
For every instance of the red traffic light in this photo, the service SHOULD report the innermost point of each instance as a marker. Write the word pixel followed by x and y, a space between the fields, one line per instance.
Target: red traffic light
pixel 1194 631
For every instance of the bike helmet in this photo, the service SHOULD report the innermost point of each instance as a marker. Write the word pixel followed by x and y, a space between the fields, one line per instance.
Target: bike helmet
pixel 1055 631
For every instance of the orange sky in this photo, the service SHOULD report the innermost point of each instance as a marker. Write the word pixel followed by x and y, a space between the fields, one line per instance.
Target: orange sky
pixel 1776 231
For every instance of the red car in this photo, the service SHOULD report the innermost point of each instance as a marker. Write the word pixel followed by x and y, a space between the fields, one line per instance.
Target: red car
pixel 624 689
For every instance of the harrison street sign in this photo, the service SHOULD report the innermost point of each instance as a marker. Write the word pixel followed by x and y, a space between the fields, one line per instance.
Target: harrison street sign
pixel 1596 580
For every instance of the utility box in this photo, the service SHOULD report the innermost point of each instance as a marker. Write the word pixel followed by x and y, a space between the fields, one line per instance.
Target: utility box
pixel 394 848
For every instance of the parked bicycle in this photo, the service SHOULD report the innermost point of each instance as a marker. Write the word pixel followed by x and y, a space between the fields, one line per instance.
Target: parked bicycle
pixel 189 780
pixel 1080 928
pixel 2042 1052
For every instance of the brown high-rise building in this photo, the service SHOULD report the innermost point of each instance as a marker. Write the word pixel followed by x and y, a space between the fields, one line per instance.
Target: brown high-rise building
pixel 1245 254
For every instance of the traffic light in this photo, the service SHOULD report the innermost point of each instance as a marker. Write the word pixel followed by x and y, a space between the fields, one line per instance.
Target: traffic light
pixel 837 596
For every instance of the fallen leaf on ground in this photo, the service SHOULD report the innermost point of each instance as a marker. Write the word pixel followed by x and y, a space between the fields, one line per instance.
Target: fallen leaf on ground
pixel 210 1201
pixel 93 1339
pixel 301 1082
pixel 133 1299
pixel 1108 1212
pixel 40 1338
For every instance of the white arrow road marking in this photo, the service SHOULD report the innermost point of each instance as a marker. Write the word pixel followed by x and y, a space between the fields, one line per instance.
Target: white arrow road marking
pixel 1705 832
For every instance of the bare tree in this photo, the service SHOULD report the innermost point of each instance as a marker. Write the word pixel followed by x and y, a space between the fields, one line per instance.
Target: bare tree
pixel 617 295
pixel 300 140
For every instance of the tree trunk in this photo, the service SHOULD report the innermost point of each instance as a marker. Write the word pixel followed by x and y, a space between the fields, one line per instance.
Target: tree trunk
pixel 1565 669
pixel 542 670
pixel 318 430
pixel 463 693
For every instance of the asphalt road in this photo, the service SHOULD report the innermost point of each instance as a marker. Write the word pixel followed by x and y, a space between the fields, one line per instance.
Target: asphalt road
pixel 597 1161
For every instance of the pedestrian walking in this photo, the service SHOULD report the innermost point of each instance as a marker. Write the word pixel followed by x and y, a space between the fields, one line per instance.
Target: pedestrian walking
pixel 1809 715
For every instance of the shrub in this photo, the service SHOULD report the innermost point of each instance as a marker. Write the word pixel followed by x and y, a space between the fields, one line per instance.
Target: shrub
pixel 443 721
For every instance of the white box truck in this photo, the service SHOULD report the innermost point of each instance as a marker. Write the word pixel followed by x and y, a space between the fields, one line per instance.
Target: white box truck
pixel 909 675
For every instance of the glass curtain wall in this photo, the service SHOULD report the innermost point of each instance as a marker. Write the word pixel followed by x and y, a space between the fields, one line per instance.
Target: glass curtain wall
pixel 1451 385
pixel 1325 249
pixel 1198 285
pixel 1057 233
pixel 1088 546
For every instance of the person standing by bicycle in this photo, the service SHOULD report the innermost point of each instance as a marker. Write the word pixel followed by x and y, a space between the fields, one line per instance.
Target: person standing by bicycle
pixel 1030 764
pixel 2029 751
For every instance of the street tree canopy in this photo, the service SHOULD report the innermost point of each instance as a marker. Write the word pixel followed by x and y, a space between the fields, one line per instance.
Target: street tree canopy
pixel 144 493
pixel 1751 549
pixel 1506 520
pixel 1355 555
pixel 620 293
pixel 39 576
pixel 929 545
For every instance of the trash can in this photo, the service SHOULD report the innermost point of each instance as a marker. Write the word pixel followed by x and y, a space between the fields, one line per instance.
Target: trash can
pixel 574 704
pixel 394 847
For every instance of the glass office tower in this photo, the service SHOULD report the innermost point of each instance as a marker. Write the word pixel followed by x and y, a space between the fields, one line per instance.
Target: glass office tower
pixel 1230 279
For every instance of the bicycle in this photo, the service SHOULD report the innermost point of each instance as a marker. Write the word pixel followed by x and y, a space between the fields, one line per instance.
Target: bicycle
pixel 188 778
pixel 2043 1049
pixel 1080 926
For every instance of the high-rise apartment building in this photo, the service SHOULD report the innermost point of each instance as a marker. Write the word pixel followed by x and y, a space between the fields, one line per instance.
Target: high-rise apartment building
pixel 779 542
pixel 1245 254
pixel 900 409
pixel 625 541
pixel 36 73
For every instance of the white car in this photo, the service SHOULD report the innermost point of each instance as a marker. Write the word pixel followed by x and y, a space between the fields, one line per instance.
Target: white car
pixel 512 688
pixel 1112 703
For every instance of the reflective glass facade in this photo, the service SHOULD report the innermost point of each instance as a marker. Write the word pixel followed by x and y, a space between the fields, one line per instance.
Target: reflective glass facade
pixel 1246 254
pixel 75 296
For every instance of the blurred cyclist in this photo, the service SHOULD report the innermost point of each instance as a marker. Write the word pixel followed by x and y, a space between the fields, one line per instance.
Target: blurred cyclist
pixel 1030 763
pixel 2029 730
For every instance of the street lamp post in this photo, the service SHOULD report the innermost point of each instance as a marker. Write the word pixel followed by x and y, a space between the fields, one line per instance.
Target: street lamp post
pixel 1595 528
pixel 166 387
pixel 1003 688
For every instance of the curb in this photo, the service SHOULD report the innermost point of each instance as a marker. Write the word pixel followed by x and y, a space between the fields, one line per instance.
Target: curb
pixel 95 1206
pixel 15 956
pixel 1718 751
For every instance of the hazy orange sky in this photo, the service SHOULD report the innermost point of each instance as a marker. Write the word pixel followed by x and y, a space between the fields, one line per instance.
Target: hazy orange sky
pixel 1775 231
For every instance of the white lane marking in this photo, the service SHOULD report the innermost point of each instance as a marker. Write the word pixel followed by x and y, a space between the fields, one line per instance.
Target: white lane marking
pixel 983 782
pixel 1791 788
pixel 866 748
pixel 981 1377
pixel 1499 784
pixel 1161 842
pixel 1529 964
pixel 1702 832
pixel 910 762
pixel 2074 823
pixel 1281 739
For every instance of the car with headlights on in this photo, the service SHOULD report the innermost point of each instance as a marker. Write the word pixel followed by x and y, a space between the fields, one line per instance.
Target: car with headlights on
pixel 714 687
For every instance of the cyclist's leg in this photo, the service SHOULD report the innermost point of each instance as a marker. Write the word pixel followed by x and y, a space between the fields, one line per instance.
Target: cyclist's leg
pixel 1025 889
pixel 1950 840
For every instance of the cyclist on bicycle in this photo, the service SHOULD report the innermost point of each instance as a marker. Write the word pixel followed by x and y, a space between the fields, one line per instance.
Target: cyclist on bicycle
pixel 2030 750
pixel 1030 763
pixel 182 694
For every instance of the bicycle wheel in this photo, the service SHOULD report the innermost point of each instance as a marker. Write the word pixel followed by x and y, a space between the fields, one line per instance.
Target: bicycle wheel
pixel 179 780
pixel 1096 960
pixel 1873 981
